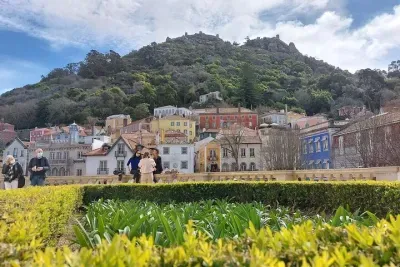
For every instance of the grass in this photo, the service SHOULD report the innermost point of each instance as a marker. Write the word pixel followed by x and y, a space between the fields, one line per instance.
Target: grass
pixel 217 219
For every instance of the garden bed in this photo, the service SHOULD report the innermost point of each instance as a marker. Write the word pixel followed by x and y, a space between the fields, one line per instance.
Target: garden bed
pixel 257 224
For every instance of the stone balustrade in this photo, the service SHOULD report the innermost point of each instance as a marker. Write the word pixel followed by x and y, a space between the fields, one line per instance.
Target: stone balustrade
pixel 362 174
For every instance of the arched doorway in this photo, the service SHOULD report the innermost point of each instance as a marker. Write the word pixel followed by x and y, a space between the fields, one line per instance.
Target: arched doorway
pixel 252 166
pixel 62 171
pixel 233 167
pixel 242 166
pixel 54 172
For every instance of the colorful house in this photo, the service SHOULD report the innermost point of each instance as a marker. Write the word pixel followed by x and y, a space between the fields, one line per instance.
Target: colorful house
pixel 216 118
pixel 208 155
pixel 174 123
pixel 317 144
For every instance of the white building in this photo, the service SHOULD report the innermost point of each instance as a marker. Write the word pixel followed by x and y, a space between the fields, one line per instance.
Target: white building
pixel 171 110
pixel 178 157
pixel 19 150
pixel 209 96
pixel 107 159
pixel 249 151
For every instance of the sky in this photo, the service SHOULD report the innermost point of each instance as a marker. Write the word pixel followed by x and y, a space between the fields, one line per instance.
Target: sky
pixel 39 35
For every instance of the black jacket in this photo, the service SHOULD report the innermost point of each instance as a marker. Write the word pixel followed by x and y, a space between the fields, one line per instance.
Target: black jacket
pixel 17 172
pixel 159 168
pixel 42 162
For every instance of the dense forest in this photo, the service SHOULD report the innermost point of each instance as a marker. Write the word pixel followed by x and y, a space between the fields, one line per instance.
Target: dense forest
pixel 262 72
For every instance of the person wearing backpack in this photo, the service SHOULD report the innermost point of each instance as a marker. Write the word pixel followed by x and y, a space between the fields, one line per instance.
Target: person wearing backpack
pixel 38 166
pixel 13 173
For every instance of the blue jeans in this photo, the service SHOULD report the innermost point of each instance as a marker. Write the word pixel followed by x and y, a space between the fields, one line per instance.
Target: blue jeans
pixel 37 180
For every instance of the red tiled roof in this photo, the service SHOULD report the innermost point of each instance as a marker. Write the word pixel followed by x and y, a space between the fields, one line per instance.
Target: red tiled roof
pixel 97 152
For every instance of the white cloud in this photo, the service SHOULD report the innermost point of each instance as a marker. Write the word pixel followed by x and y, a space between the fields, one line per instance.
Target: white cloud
pixel 129 24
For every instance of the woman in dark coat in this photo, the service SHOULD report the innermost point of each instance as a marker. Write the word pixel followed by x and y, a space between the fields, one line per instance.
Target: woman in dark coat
pixel 12 172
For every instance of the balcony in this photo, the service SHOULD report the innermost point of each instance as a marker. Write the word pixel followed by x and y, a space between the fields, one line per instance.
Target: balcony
pixel 120 154
pixel 81 160
pixel 57 161
pixel 102 171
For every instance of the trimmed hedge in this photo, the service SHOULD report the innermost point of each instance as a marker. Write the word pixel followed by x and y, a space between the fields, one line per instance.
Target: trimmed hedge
pixel 378 198
pixel 32 218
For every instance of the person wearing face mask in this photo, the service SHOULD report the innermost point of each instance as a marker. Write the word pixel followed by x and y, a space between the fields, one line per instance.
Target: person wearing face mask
pixel 12 171
pixel 133 166
pixel 38 166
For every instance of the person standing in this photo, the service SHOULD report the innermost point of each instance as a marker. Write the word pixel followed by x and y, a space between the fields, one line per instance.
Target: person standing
pixel 12 171
pixel 147 166
pixel 133 166
pixel 38 166
pixel 158 161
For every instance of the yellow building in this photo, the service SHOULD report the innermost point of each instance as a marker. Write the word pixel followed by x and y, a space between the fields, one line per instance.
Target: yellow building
pixel 174 123
pixel 114 124
pixel 208 156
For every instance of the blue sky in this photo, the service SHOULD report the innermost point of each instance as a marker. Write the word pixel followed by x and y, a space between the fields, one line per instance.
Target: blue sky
pixel 39 35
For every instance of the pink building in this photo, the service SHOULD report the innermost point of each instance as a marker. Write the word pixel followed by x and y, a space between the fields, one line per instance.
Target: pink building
pixel 308 122
pixel 39 134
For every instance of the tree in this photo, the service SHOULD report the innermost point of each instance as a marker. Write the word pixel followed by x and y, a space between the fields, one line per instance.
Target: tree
pixel 42 112
pixel 247 91
pixel 141 111
pixel 231 139
pixel 281 149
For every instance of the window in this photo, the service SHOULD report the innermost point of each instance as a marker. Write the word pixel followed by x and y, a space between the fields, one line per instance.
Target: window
pixel 190 133
pixel 65 155
pixel 172 123
pixel 225 153
pixel 252 154
pixel 304 147
pixel 213 153
pixel 185 132
pixel 341 146
pixel 243 152
pixel 318 146
pixel 213 117
pixel 52 155
pixel 120 165
pixel 15 153
pixel 121 148
pixel 22 153
pixel 166 150
pixel 214 125
pixel 103 164
pixel 165 164
pixel 325 145
pixel 184 165
pixel 250 124
pixel 184 150
pixel 207 125
pixel 58 155
pixel 178 123
pixel 185 124
pixel 79 172
pixel 80 153
pixel 311 147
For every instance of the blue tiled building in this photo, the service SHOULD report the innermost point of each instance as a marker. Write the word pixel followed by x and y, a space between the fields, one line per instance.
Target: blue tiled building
pixel 317 144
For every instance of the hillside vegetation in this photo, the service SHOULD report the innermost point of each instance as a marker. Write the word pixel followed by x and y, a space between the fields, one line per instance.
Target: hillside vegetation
pixel 261 72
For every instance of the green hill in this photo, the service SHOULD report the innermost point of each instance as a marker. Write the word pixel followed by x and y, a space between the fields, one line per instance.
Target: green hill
pixel 261 72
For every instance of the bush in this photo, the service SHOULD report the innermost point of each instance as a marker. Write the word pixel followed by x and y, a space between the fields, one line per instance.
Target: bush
pixel 304 245
pixel 34 217
pixel 378 198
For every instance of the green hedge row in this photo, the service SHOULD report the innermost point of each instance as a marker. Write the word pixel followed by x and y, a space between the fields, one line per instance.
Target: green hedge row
pixel 379 198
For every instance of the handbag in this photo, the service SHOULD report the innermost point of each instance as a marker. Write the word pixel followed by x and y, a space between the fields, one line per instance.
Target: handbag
pixel 21 181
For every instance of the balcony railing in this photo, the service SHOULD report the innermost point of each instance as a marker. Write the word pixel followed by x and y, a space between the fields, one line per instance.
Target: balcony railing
pixel 102 171
pixel 81 160
pixel 120 154
pixel 57 161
